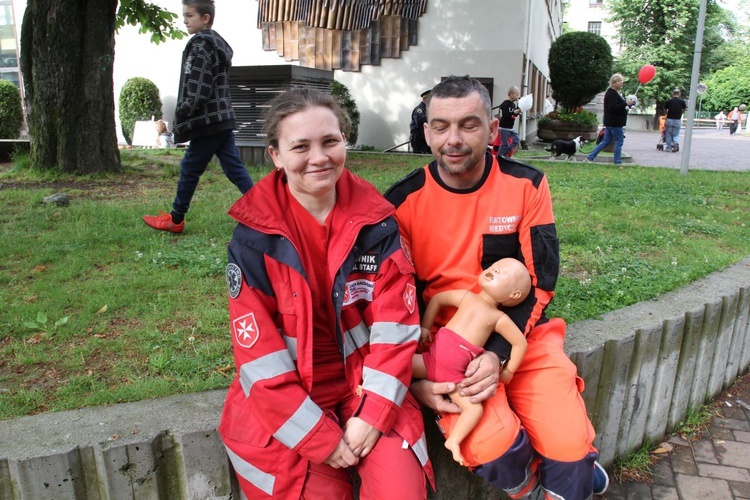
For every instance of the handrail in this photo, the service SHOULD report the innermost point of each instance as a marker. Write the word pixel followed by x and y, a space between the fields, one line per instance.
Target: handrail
pixel 397 146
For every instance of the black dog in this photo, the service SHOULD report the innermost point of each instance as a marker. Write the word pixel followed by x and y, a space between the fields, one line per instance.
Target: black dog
pixel 568 148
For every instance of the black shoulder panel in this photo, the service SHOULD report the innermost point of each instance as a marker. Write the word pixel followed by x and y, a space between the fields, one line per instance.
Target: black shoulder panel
pixel 520 170
pixel 414 181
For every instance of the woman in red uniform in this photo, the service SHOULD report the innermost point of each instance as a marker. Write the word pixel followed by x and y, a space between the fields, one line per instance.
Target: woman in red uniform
pixel 324 323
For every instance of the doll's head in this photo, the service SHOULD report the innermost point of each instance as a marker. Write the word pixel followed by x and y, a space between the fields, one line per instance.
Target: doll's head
pixel 506 281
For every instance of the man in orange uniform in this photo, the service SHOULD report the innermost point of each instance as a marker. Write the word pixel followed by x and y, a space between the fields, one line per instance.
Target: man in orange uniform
pixel 459 214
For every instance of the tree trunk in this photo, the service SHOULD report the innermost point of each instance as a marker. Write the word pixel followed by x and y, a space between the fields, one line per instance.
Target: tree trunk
pixel 67 53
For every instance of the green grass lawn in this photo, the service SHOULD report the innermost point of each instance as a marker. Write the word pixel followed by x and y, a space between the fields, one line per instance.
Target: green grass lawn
pixel 147 311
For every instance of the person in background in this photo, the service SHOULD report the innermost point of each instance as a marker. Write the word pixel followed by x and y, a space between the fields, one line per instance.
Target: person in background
pixel 416 127
pixel 549 105
pixel 324 323
pixel 204 114
pixel 720 118
pixel 509 111
pixel 164 138
pixel 615 117
pixel 735 120
pixel 458 215
pixel 674 107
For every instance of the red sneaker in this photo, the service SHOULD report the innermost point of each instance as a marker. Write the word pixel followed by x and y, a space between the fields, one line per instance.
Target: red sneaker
pixel 163 222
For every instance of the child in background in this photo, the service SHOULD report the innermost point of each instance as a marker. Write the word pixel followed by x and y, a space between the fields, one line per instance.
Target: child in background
pixel 509 111
pixel 204 114
pixel 507 283
pixel 164 138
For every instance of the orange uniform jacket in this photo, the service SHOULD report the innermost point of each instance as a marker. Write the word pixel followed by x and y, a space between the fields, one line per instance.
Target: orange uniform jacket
pixel 512 217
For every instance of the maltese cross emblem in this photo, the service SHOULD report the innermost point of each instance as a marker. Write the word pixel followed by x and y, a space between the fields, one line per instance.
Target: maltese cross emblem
pixel 246 330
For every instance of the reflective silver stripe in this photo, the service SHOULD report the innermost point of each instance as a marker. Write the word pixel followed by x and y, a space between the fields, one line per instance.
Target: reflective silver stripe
pixel 263 368
pixel 393 333
pixel 420 450
pixel 300 424
pixel 291 344
pixel 253 475
pixel 383 384
pixel 359 335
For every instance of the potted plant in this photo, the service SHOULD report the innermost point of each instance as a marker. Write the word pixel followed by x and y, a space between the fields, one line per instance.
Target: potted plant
pixel 580 64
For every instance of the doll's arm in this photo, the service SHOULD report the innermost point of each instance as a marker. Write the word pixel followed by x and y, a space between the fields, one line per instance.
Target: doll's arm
pixel 442 299
pixel 513 335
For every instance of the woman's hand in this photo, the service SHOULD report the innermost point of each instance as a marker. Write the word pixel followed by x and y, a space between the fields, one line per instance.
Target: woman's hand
pixel 430 394
pixel 482 375
pixel 360 436
pixel 342 457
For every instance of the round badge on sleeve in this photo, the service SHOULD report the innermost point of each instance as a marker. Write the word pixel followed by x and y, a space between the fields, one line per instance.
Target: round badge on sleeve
pixel 234 280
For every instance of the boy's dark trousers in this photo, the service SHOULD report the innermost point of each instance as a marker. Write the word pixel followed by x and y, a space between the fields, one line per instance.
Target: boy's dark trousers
pixel 199 153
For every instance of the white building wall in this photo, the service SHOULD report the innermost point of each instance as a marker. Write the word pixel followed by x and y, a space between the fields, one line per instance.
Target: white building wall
pixel 579 13
pixel 482 38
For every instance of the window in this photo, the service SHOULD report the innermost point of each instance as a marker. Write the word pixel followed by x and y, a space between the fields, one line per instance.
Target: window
pixel 595 27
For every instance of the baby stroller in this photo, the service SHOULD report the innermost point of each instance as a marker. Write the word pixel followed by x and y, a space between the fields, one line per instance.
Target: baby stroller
pixel 663 137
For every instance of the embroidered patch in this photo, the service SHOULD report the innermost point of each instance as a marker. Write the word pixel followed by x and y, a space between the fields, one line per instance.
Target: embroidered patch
pixel 410 297
pixel 358 290
pixel 245 330
pixel 234 280
pixel 367 263
pixel 405 248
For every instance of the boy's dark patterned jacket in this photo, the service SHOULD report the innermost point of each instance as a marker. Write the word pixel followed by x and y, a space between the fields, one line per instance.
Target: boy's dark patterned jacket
pixel 204 106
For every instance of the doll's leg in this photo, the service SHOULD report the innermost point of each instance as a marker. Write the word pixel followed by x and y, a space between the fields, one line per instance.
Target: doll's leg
pixel 470 415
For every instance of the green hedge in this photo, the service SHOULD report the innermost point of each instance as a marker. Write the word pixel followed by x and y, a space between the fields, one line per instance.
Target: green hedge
pixel 139 100
pixel 11 111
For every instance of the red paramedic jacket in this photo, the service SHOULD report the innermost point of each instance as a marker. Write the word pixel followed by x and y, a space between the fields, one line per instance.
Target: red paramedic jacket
pixel 268 406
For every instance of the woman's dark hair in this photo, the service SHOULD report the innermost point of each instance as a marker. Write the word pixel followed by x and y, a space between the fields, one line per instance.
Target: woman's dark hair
pixel 293 101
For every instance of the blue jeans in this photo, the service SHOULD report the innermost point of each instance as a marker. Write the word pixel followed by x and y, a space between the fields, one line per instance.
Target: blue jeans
pixel 196 159
pixel 672 132
pixel 616 134
pixel 505 134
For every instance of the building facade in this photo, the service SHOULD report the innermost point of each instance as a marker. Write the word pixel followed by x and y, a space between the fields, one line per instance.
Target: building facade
pixel 504 42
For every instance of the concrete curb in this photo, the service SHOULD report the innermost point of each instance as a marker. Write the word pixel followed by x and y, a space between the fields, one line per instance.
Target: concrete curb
pixel 645 366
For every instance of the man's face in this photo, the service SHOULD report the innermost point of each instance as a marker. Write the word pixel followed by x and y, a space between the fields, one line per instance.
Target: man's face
pixel 458 131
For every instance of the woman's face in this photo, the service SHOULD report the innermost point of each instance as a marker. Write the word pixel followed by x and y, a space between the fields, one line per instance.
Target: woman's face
pixel 311 150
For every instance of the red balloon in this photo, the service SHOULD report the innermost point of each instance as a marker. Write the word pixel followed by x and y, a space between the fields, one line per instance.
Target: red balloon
pixel 646 74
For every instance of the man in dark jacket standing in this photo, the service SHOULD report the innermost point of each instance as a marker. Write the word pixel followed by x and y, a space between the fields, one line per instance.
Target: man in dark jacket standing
pixel 615 117
pixel 204 114
pixel 416 127
pixel 675 107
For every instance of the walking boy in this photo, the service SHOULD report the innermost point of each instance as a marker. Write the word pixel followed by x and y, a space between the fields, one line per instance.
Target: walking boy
pixel 204 114
pixel 509 111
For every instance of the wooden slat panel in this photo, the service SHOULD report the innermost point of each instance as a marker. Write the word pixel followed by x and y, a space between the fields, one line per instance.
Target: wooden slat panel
pixel 413 31
pixel 320 47
pixel 335 49
pixel 375 43
pixel 265 36
pixel 355 52
pixel 280 39
pixel 365 45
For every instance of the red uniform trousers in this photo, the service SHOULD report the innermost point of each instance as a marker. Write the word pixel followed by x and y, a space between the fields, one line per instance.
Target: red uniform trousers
pixel 541 408
pixel 390 470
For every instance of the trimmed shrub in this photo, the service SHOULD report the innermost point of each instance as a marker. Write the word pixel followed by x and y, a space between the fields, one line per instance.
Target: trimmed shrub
pixel 580 64
pixel 11 111
pixel 342 95
pixel 139 100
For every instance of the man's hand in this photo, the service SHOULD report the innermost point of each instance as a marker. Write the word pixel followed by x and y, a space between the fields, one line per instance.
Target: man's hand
pixel 482 375
pixel 360 436
pixel 342 457
pixel 430 394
